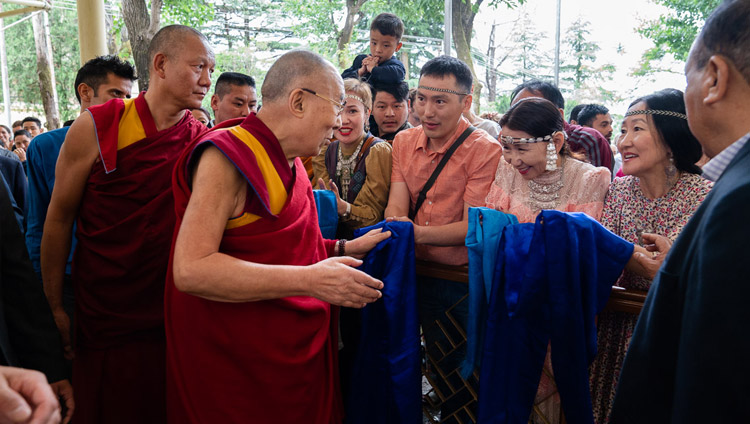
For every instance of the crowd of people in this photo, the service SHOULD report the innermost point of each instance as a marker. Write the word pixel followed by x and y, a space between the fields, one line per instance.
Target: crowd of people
pixel 162 266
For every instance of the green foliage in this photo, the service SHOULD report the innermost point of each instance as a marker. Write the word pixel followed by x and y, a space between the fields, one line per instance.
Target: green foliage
pixel 241 59
pixel 193 13
pixel 531 61
pixel 22 73
pixel 317 23
pixel 502 104
pixel 579 74
pixel 674 32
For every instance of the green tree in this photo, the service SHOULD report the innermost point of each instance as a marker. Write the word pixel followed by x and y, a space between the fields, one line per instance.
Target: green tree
pixel 22 74
pixel 581 76
pixel 531 61
pixel 464 12
pixel 674 32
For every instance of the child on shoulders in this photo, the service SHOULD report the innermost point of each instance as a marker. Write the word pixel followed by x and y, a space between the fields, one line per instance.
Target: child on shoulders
pixel 380 66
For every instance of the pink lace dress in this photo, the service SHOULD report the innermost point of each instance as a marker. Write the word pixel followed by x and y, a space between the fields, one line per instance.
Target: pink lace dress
pixel 627 213
pixel 574 187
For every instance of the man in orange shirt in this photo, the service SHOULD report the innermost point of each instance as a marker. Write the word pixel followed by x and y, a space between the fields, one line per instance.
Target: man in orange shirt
pixel 441 218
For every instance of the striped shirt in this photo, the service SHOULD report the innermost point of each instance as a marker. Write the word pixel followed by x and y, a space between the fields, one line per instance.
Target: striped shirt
pixel 713 169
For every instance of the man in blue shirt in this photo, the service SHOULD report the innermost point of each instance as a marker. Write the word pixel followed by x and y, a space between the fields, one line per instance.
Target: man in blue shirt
pixel 99 80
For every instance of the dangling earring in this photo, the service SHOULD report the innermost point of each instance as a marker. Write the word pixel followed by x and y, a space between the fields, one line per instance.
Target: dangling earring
pixel 367 122
pixel 551 157
pixel 671 171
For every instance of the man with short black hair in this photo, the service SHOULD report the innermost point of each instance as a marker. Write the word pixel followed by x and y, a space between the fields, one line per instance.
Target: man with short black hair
pixel 688 358
pixel 234 97
pixel 580 139
pixel 390 110
pixel 597 117
pixel 441 219
pixel 21 140
pixel 32 125
pixel 573 117
pixel 97 81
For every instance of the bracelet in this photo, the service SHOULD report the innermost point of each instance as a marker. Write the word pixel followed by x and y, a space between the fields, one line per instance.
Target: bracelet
pixel 348 211
pixel 341 247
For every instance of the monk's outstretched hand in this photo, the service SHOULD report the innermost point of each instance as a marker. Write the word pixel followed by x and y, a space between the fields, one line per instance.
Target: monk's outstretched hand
pixel 335 281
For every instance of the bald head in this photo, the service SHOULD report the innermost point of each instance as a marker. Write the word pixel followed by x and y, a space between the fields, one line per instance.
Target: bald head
pixel 169 40
pixel 290 70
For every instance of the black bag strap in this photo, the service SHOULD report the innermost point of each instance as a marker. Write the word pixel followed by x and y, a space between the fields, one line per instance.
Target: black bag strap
pixel 428 185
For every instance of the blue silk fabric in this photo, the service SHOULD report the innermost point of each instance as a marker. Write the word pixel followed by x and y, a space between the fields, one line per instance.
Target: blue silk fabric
pixel 551 280
pixel 482 240
pixel 386 385
pixel 328 215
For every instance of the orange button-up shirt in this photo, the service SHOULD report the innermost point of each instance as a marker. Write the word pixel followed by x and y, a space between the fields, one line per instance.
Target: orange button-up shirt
pixel 465 178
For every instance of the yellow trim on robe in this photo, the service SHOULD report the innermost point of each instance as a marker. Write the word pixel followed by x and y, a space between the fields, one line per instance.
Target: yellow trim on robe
pixel 275 187
pixel 130 128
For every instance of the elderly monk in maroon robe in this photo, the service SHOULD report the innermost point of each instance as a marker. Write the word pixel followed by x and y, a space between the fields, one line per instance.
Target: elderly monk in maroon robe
pixel 113 178
pixel 251 333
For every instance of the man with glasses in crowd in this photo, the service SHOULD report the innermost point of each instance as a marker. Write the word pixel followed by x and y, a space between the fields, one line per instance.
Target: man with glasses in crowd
pixel 252 280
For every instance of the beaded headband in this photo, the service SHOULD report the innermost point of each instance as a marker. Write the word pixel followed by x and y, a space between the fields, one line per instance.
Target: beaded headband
pixel 657 112
pixel 520 140
pixel 443 90
pixel 352 96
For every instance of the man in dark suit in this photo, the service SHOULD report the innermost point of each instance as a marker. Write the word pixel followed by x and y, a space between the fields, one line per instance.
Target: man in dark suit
pixel 689 359
pixel 28 335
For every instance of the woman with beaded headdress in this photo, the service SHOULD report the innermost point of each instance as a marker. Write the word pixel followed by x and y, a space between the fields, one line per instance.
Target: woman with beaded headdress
pixel 356 166
pixel 660 191
pixel 540 172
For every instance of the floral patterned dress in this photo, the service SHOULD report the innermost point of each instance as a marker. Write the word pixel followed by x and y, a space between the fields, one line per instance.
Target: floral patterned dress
pixel 627 213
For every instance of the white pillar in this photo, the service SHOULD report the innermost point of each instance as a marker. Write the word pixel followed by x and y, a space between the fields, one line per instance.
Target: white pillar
pixel 92 34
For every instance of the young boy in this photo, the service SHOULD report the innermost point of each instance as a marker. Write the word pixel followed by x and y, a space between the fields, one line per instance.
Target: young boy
pixel 381 66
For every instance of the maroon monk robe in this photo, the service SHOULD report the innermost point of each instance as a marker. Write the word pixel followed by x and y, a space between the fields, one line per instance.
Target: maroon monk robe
pixel 271 361
pixel 124 228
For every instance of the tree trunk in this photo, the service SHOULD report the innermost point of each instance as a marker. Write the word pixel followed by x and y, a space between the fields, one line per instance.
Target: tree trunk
pixel 463 24
pixel 141 29
pixel 490 69
pixel 353 8
pixel 45 71
pixel 405 61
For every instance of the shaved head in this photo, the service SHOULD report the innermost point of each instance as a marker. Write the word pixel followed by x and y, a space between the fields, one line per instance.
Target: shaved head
pixel 291 68
pixel 169 40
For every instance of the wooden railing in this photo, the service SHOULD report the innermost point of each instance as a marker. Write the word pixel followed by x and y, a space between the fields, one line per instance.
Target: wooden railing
pixel 622 300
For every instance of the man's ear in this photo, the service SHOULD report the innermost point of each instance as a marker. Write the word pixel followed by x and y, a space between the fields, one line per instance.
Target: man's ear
pixel 715 80
pixel 158 65
pixel 467 102
pixel 85 92
pixel 296 103
pixel 215 103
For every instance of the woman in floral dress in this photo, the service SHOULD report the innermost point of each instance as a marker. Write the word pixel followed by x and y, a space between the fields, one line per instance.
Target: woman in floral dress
pixel 660 191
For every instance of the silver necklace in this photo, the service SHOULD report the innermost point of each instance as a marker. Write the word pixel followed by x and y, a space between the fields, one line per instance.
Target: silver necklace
pixel 544 190
pixel 345 166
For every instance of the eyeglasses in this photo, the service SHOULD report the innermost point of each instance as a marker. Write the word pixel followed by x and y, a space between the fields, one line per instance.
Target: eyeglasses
pixel 339 105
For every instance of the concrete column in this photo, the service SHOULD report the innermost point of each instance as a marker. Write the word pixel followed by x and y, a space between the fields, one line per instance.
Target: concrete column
pixel 92 34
